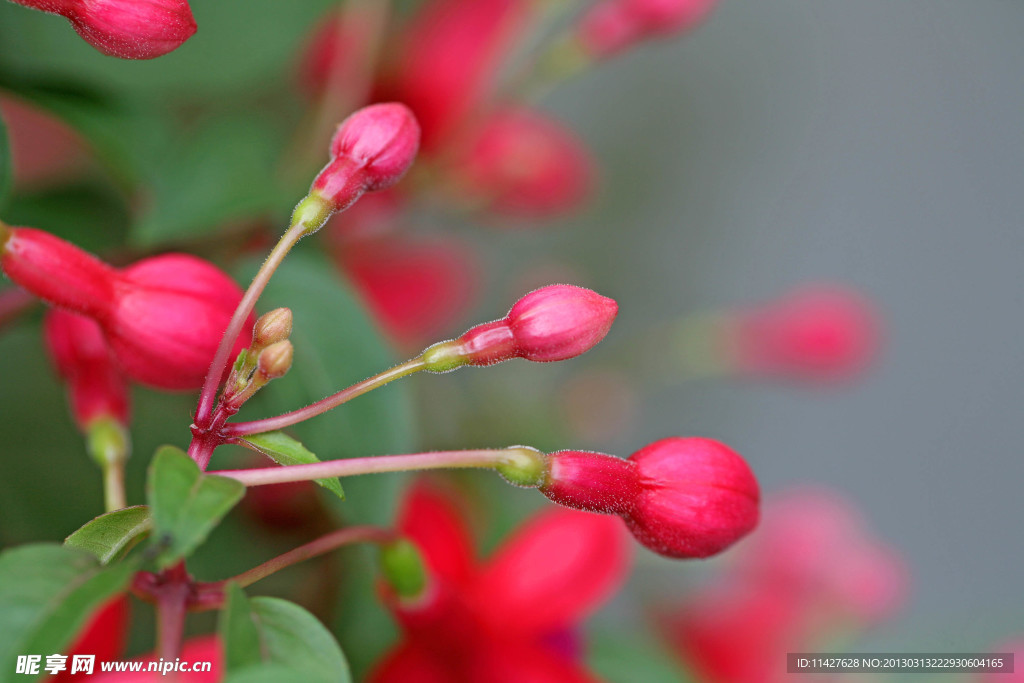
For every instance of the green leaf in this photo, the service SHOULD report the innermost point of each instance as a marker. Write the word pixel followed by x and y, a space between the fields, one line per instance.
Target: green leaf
pixel 112 534
pixel 284 450
pixel 221 173
pixel 186 503
pixel 277 632
pixel 6 170
pixel 47 592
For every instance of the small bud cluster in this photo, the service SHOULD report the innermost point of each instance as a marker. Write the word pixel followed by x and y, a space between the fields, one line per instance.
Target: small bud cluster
pixel 552 323
pixel 129 29
pixel 162 317
pixel 268 357
pixel 681 497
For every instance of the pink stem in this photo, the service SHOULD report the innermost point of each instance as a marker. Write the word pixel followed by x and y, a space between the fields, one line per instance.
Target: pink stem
pixel 373 465
pixel 322 406
pixel 324 544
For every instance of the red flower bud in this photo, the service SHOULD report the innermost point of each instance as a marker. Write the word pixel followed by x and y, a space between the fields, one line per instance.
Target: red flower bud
pixel 96 387
pixel 371 150
pixel 680 497
pixel 130 29
pixel 552 323
pixel 524 163
pixel 817 332
pixel 163 317
pixel 614 25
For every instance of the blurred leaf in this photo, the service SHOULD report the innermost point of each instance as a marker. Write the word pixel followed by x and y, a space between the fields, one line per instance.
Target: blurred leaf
pixel 222 172
pixel 619 659
pixel 113 533
pixel 124 135
pixel 87 214
pixel 47 592
pixel 275 631
pixel 284 450
pixel 186 503
pixel 6 170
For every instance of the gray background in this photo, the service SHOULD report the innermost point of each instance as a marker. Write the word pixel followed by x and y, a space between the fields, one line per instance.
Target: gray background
pixel 879 143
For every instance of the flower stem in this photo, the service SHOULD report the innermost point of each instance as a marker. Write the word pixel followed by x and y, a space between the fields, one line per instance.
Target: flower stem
pixel 516 458
pixel 310 214
pixel 113 487
pixel 170 611
pixel 269 424
pixel 324 544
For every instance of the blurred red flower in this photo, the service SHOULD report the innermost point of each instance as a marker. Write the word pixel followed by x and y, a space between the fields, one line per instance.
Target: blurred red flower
pixel 513 617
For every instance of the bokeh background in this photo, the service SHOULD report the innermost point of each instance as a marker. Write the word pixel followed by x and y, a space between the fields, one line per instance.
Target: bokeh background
pixel 875 143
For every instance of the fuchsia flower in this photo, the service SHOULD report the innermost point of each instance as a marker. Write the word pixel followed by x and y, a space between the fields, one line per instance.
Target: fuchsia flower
pixel 513 617
pixel 163 317
pixel 552 323
pixel 680 497
pixel 520 162
pixel 815 332
pixel 371 150
pixel 811 573
pixel 613 25
pixel 43 148
pixel 130 29
pixel 96 385
pixel 415 288
pixel 1016 647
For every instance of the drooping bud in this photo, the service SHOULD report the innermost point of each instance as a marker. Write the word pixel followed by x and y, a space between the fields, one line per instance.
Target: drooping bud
pixel 163 317
pixel 272 327
pixel 129 29
pixel 96 386
pixel 371 150
pixel 680 497
pixel 614 25
pixel 275 360
pixel 43 149
pixel 552 323
pixel 523 163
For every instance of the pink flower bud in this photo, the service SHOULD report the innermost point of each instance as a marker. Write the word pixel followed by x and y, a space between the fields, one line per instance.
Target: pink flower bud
pixel 552 323
pixel 613 25
pixel 130 29
pixel 96 386
pixel 163 317
pixel 680 497
pixel 371 150
pixel 816 332
pixel 523 163
pixel 43 148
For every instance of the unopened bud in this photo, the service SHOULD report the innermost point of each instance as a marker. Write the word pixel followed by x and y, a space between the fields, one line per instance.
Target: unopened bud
pixel 403 568
pixel 371 150
pixel 272 327
pixel 552 323
pixel 679 497
pixel 129 29
pixel 275 360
